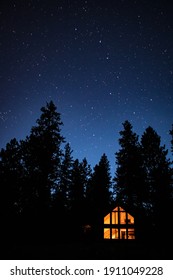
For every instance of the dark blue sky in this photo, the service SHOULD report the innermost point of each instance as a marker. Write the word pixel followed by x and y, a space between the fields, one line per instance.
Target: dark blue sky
pixel 101 62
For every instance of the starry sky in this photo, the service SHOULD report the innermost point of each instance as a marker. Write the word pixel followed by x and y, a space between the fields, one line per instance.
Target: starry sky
pixel 101 62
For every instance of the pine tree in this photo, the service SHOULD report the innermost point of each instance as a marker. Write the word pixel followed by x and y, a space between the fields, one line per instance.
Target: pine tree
pixel 42 154
pixel 99 195
pixel 11 178
pixel 11 174
pixel 171 133
pixel 61 195
pixel 76 200
pixel 80 177
pixel 129 178
pixel 86 175
pixel 158 178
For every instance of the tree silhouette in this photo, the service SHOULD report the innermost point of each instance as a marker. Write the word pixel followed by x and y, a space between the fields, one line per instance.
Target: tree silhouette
pixel 45 193
pixel 61 196
pixel 158 179
pixel 171 133
pixel 11 175
pixel 43 154
pixel 99 194
pixel 129 176
pixel 11 178
pixel 76 200
pixel 86 173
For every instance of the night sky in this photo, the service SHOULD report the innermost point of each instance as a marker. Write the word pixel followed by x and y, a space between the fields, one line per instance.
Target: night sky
pixel 101 62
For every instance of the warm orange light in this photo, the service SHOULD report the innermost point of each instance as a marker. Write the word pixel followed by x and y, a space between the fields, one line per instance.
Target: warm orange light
pixel 114 233
pixel 114 217
pixel 117 225
pixel 123 234
pixel 106 233
pixel 131 233
pixel 122 218
pixel 130 219
pixel 107 219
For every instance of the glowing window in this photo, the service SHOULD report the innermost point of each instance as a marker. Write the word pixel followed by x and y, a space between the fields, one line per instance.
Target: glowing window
pixel 114 233
pixel 131 233
pixel 114 218
pixel 123 233
pixel 130 219
pixel 107 219
pixel 119 225
pixel 107 233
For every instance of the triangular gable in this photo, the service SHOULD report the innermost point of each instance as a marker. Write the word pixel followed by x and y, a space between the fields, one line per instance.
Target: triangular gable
pixel 118 216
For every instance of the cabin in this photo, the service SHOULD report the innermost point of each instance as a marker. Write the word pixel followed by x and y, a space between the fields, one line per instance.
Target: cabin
pixel 119 224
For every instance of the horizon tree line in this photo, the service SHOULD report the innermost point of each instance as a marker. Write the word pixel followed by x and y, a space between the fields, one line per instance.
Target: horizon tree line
pixel 46 193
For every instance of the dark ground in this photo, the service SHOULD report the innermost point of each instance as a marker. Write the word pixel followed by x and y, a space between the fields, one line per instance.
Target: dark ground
pixel 106 250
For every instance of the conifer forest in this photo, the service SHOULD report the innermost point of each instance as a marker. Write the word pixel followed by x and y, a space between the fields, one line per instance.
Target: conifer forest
pixel 49 198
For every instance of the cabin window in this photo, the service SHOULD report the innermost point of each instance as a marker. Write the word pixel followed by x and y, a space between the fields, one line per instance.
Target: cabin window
pixel 107 233
pixel 119 224
pixel 131 234
pixel 107 219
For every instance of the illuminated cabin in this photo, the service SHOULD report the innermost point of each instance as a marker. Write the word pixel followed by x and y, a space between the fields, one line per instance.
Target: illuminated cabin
pixel 119 224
